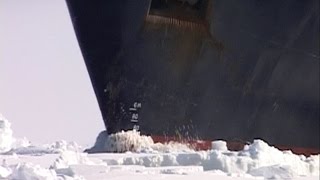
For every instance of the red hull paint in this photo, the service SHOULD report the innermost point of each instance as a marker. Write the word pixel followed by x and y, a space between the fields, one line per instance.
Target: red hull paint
pixel 234 146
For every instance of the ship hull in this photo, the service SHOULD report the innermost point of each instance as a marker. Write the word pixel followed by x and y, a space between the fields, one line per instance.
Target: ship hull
pixel 235 71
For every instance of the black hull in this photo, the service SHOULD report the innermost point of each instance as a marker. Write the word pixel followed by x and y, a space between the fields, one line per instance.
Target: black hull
pixel 238 70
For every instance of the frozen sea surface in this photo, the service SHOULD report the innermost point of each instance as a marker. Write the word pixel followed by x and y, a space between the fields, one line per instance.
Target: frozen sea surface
pixel 141 159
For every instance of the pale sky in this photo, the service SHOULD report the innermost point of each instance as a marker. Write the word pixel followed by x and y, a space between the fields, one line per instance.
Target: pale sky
pixel 45 90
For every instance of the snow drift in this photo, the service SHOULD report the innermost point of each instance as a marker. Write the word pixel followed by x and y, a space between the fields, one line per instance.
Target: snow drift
pixel 6 139
pixel 257 158
pixel 144 157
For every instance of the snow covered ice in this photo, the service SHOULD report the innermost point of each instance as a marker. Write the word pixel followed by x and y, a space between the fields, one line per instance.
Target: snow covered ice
pixel 141 159
pixel 6 138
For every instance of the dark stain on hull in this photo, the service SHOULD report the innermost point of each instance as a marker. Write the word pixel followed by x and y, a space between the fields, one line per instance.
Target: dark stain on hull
pixel 228 69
